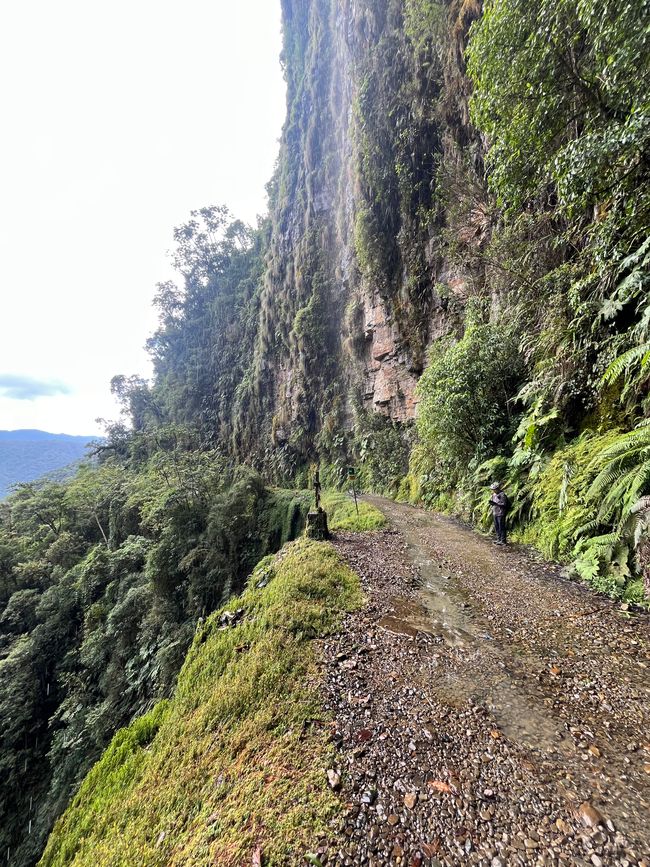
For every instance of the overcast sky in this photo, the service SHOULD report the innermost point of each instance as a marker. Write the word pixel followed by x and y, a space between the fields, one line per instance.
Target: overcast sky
pixel 117 120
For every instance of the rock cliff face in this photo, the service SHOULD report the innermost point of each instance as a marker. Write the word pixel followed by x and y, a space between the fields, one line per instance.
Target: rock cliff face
pixel 357 286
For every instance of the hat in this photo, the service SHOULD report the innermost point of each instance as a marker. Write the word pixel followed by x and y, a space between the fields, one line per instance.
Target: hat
pixel 495 486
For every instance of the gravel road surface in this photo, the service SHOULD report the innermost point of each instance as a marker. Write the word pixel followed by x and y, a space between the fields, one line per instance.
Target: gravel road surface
pixel 486 710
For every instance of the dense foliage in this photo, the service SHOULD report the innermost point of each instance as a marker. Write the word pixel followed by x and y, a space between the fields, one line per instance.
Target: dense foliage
pixel 233 761
pixel 568 113
pixel 203 347
pixel 560 97
pixel 466 416
pixel 102 582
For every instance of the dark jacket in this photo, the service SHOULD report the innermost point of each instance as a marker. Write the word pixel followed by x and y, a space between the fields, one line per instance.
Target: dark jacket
pixel 500 504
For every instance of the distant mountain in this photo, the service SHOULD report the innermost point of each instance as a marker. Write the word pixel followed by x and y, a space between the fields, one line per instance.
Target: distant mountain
pixel 26 455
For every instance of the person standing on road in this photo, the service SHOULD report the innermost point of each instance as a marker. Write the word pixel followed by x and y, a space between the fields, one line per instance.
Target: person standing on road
pixel 500 504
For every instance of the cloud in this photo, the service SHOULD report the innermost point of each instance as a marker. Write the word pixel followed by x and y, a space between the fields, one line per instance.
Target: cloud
pixel 17 387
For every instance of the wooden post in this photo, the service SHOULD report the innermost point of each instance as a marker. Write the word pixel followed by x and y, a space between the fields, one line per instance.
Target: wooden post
pixel 317 519
pixel 352 477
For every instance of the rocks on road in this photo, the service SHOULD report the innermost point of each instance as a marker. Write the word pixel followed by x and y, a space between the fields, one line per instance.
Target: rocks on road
pixel 484 711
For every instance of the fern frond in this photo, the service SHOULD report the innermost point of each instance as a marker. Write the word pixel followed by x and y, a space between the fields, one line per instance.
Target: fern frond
pixel 641 506
pixel 603 544
pixel 637 354
pixel 637 486
pixel 628 488
pixel 626 446
pixel 603 482
pixel 585 530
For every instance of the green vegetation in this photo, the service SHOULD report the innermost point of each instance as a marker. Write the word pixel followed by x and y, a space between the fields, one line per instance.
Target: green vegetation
pixel 221 263
pixel 589 123
pixel 342 514
pixel 465 414
pixel 102 581
pixel 545 383
pixel 237 758
pixel 481 178
pixel 378 447
pixel 497 160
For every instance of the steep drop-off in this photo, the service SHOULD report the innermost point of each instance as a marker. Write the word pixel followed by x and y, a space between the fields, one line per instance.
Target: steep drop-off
pixel 234 761
pixel 103 580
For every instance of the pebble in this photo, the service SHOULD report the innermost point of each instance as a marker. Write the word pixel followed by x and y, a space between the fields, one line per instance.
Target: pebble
pixel 410 800
pixel 589 815
pixel 443 780
pixel 334 779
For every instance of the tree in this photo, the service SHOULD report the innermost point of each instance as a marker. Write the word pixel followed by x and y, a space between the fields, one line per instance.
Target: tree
pixel 135 399
pixel 562 90
pixel 205 338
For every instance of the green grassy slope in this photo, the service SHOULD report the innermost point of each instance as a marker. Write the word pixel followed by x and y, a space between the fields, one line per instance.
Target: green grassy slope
pixel 342 514
pixel 237 758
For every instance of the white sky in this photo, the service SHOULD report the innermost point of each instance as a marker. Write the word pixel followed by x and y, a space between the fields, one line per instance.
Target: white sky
pixel 116 120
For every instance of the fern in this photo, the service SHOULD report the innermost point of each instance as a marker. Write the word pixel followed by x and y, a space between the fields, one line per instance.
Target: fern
pixel 564 489
pixel 632 287
pixel 621 493
pixel 637 354
pixel 640 255
pixel 641 515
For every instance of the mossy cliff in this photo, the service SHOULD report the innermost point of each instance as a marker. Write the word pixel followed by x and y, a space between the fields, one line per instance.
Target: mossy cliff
pixel 463 191
pixel 452 282
pixel 350 297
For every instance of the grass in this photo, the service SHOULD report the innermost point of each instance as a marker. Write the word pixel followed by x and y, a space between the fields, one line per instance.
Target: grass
pixel 237 758
pixel 342 515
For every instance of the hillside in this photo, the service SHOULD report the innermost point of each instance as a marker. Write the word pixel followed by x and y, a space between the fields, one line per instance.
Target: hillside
pixel 26 455
pixel 452 282
pixel 103 580
pixel 450 288
pixel 238 749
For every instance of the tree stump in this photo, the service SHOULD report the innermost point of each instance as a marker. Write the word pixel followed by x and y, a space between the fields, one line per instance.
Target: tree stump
pixel 317 526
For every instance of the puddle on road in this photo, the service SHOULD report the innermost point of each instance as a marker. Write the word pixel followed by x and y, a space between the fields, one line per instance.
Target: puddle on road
pixel 481 670
pixel 468 663
pixel 411 618
pixel 441 610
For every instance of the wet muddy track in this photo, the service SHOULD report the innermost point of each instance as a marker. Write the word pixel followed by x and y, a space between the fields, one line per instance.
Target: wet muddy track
pixel 486 710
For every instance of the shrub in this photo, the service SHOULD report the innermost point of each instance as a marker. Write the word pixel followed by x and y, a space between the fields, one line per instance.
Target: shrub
pixel 465 414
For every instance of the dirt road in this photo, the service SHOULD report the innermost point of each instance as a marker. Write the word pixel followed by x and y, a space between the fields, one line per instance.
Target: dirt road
pixel 487 711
